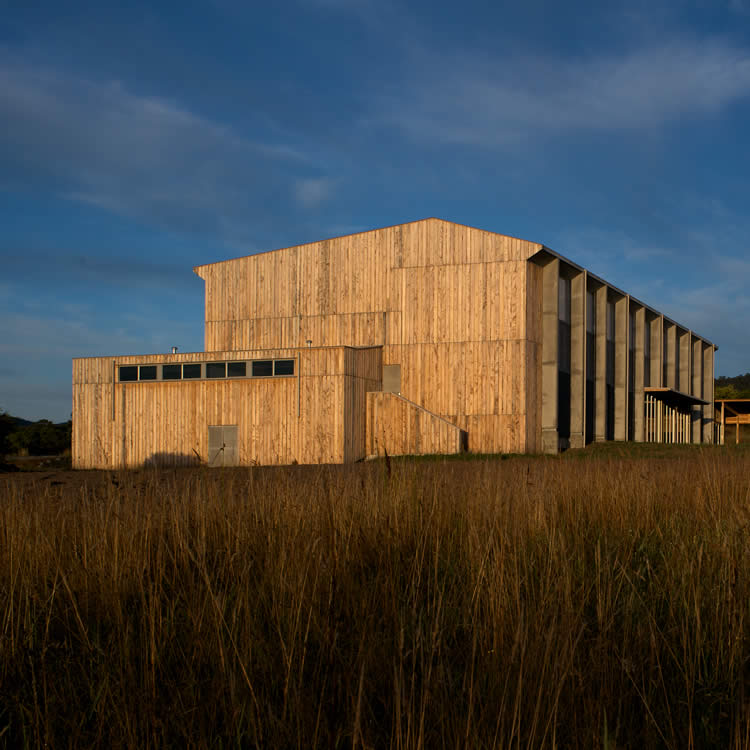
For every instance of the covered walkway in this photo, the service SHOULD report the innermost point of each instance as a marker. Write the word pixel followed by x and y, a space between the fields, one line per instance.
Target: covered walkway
pixel 669 415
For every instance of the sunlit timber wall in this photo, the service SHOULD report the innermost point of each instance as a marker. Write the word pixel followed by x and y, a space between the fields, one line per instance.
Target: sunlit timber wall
pixel 316 415
pixel 601 350
pixel 516 347
pixel 457 308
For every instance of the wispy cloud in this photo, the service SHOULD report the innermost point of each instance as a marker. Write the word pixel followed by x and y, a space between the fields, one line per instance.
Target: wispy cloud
pixel 139 156
pixel 501 101
pixel 65 266
pixel 603 251
pixel 700 279
pixel 312 192
pixel 37 352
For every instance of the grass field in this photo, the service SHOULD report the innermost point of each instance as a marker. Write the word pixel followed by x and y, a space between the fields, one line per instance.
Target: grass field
pixel 599 600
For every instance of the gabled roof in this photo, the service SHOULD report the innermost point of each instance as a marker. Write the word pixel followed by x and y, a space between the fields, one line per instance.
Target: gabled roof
pixel 538 253
pixel 197 269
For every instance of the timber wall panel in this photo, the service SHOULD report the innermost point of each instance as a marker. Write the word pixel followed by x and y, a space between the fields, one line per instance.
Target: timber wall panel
pixel 404 428
pixel 432 293
pixel 166 422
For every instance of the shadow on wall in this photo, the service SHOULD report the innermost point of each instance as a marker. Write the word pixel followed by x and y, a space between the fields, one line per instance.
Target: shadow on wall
pixel 162 460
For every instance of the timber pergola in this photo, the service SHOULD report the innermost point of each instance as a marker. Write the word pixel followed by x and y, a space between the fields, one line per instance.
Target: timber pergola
pixel 734 411
pixel 668 414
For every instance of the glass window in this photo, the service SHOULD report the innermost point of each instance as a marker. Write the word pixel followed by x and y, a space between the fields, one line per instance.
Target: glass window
pixel 563 300
pixel 236 369
pixel 283 367
pixel 216 369
pixel 631 335
pixel 171 372
pixel 129 373
pixel 147 372
pixel 262 368
pixel 590 313
pixel 191 371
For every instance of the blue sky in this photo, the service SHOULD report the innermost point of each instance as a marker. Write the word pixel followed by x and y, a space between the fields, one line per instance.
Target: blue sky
pixel 141 139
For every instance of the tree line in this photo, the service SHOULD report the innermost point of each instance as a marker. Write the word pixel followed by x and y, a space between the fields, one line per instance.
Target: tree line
pixel 43 438
pixel 735 387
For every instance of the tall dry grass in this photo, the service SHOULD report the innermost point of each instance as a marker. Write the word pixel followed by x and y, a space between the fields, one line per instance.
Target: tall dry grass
pixel 511 604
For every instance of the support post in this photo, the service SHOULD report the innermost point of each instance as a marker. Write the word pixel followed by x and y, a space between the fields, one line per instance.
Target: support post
pixel 708 392
pixel 621 368
pixel 697 390
pixel 671 349
pixel 684 379
pixel 600 386
pixel 550 364
pixel 639 411
pixel 578 360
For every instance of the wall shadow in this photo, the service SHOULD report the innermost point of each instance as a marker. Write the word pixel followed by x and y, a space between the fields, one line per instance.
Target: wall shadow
pixel 165 460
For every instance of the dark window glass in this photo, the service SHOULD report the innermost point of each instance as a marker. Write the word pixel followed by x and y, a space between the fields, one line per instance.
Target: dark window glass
pixel 590 313
pixel 191 371
pixel 563 403
pixel 171 372
pixel 236 369
pixel 631 332
pixel 128 374
pixel 610 412
pixel 262 368
pixel 147 372
pixel 283 367
pixel 563 346
pixel 563 300
pixel 216 369
pixel 590 410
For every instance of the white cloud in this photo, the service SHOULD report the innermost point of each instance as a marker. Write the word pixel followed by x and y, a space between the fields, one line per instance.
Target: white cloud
pixel 501 101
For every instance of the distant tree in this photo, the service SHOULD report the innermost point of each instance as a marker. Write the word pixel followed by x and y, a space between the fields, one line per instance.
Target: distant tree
pixel 42 438
pixel 725 391
pixel 734 387
pixel 7 425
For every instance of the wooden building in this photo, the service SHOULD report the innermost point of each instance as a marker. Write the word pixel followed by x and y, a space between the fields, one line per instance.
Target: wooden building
pixel 426 337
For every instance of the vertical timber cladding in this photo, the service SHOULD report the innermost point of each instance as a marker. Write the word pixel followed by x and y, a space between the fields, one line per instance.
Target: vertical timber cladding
pixel 471 319
pixel 447 303
pixel 167 423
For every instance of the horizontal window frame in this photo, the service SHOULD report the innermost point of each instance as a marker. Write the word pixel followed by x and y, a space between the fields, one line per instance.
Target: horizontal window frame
pixel 135 370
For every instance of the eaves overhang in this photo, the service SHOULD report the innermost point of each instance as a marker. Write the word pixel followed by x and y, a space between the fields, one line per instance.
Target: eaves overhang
pixel 543 256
